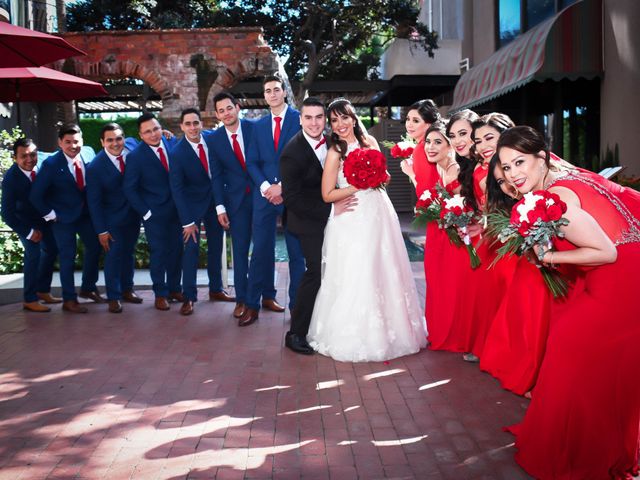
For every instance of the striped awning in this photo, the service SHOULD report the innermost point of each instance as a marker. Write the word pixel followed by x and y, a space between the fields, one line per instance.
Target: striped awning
pixel 566 46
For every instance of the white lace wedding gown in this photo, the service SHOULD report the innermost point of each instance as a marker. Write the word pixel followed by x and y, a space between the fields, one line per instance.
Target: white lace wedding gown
pixel 367 307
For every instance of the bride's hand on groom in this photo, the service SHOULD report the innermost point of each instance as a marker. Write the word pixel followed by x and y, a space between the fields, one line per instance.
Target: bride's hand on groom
pixel 345 205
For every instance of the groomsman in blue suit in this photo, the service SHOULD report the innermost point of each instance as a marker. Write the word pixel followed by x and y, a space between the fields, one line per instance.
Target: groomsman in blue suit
pixel 59 194
pixel 146 186
pixel 190 179
pixel 117 224
pixel 232 187
pixel 271 134
pixel 40 248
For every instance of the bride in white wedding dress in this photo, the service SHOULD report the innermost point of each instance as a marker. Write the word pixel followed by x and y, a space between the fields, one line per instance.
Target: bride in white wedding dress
pixel 367 307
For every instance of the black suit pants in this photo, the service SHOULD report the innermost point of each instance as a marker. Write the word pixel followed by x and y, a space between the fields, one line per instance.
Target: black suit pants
pixel 310 283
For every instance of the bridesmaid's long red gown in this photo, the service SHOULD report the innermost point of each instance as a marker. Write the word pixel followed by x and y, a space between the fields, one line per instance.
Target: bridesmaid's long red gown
pixel 450 303
pixel 583 421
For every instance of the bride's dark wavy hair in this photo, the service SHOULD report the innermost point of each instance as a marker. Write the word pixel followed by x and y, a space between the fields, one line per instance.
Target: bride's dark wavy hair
pixel 342 106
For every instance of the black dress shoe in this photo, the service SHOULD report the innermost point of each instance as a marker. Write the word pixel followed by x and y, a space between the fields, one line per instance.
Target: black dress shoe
pixel 298 344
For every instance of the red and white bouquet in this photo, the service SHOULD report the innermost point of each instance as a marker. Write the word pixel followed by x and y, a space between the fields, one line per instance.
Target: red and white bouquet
pixel 452 214
pixel 534 221
pixel 457 216
pixel 366 168
pixel 402 149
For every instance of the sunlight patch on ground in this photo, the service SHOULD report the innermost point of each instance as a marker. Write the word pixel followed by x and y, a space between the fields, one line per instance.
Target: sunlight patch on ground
pixel 401 441
pixel 275 387
pixel 304 410
pixel 384 373
pixel 329 384
pixel 434 384
pixel 58 375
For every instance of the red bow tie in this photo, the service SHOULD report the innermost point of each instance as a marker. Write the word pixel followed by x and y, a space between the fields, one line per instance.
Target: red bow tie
pixel 321 142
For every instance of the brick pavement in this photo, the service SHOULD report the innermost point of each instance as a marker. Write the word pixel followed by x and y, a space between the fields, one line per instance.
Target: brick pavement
pixel 153 395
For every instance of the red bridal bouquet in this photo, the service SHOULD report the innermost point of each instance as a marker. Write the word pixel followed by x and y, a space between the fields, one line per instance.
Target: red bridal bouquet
pixel 452 214
pixel 535 221
pixel 366 168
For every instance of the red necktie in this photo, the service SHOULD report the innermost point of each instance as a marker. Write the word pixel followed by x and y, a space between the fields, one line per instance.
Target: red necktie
pixel 33 175
pixel 163 159
pixel 79 178
pixel 276 133
pixel 238 151
pixel 121 163
pixel 203 158
pixel 321 142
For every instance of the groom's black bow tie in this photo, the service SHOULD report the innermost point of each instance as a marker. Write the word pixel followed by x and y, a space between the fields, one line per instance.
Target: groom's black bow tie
pixel 321 142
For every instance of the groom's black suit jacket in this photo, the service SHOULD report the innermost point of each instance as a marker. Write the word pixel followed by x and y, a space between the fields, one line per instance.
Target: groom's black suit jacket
pixel 301 175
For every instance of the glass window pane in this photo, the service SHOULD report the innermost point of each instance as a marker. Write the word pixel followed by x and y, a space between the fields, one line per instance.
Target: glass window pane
pixel 509 15
pixel 565 3
pixel 538 11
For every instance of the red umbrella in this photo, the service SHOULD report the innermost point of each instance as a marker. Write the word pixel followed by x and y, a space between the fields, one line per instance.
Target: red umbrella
pixel 21 47
pixel 42 84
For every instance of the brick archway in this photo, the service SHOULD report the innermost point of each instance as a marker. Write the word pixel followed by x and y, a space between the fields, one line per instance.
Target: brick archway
pixel 186 68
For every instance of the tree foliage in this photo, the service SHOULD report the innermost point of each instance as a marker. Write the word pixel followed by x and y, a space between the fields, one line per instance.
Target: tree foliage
pixel 328 39
pixel 89 15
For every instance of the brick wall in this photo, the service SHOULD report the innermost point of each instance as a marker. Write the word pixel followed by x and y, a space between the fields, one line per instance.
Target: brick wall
pixel 185 67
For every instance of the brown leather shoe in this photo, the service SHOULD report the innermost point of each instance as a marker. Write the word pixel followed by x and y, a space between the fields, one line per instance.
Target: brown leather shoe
pixel 221 296
pixel 161 303
pixel 35 307
pixel 176 297
pixel 115 306
pixel 95 296
pixel 131 297
pixel 248 317
pixel 48 298
pixel 73 306
pixel 239 310
pixel 271 304
pixel 186 308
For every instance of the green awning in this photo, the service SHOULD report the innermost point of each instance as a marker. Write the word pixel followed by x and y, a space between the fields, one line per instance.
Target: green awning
pixel 566 46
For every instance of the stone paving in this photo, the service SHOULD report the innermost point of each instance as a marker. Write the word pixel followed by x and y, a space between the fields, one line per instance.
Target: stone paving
pixel 154 395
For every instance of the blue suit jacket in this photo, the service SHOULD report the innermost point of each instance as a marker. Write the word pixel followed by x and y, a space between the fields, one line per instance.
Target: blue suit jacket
pixel 55 189
pixel 190 183
pixel 230 181
pixel 263 161
pixel 108 205
pixel 146 182
pixel 17 210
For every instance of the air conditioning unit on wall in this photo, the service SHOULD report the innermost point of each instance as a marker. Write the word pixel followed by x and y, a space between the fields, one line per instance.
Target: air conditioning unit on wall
pixel 465 65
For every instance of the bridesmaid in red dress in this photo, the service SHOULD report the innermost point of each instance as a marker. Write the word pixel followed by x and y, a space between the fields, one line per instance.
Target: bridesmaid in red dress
pixel 583 421
pixel 516 341
pixel 489 285
pixel 424 176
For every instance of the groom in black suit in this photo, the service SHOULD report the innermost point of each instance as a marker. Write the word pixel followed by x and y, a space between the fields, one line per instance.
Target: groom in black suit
pixel 301 167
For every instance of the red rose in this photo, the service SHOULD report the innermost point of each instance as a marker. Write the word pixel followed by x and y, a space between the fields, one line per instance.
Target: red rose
pixel 554 212
pixel 398 152
pixel 457 211
pixel 523 228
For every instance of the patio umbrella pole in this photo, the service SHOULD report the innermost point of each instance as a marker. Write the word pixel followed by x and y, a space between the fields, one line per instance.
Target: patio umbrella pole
pixel 18 101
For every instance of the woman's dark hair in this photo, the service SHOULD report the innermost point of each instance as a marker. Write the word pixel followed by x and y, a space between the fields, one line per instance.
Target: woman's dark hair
pixel 427 110
pixel 439 126
pixel 526 140
pixel 342 106
pixel 496 198
pixel 496 120
pixel 467 164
